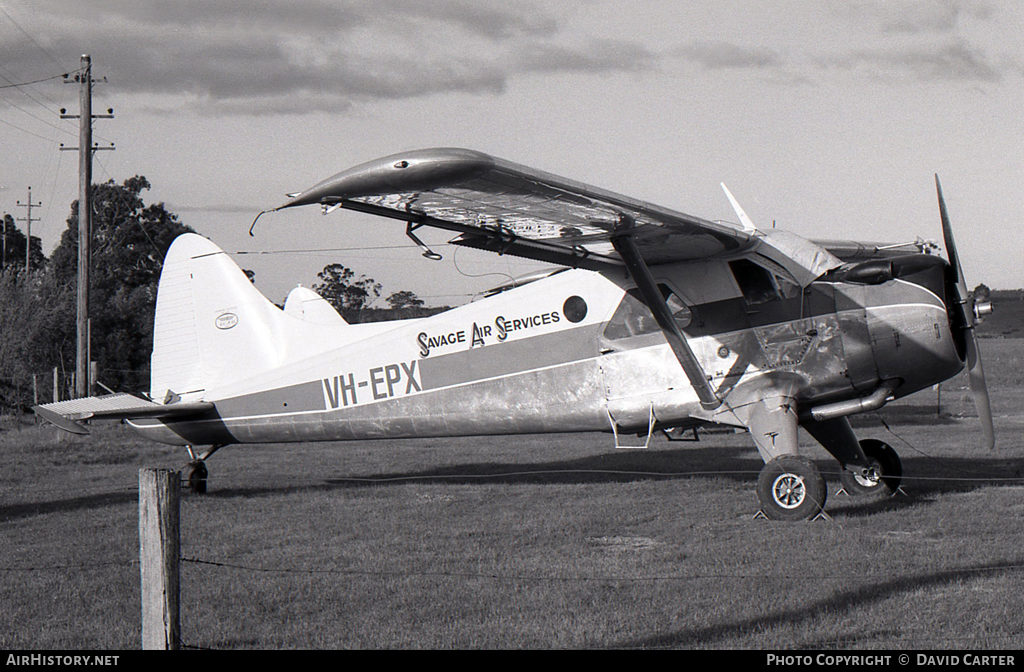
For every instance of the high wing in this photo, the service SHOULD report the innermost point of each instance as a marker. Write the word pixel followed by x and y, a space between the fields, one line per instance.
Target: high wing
pixel 508 208
pixel 66 414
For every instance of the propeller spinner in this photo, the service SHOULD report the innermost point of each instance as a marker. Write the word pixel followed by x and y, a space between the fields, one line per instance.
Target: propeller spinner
pixel 970 313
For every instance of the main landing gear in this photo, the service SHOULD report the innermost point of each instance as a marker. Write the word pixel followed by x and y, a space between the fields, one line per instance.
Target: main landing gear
pixel 791 488
pixel 197 471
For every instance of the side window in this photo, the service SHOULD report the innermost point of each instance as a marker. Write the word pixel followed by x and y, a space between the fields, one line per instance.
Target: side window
pixel 631 318
pixel 680 311
pixel 634 318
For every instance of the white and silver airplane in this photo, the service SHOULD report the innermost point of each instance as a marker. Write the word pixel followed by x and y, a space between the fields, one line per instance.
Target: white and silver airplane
pixel 655 320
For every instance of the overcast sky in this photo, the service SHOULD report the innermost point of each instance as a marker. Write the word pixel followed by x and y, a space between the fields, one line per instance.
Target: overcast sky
pixel 828 118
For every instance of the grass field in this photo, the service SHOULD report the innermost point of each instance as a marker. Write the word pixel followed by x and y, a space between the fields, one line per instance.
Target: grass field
pixel 529 542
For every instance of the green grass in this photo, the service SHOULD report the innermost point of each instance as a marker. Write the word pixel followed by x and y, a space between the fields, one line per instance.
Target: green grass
pixel 528 542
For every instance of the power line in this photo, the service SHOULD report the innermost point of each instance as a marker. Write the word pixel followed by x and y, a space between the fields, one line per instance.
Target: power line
pixel 39 119
pixel 30 38
pixel 3 121
pixel 15 85
pixel 318 250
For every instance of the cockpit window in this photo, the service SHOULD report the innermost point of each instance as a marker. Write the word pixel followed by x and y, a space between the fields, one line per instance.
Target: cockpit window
pixel 754 281
pixel 634 318
pixel 759 285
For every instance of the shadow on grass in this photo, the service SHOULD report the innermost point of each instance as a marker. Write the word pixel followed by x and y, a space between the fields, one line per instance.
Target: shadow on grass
pixel 11 512
pixel 619 467
pixel 731 458
pixel 924 476
pixel 840 603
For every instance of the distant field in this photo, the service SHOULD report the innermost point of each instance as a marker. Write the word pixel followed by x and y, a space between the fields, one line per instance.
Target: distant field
pixel 530 542
pixel 1007 318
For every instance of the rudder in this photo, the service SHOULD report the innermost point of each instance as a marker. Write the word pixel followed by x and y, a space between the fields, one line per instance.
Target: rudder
pixel 212 326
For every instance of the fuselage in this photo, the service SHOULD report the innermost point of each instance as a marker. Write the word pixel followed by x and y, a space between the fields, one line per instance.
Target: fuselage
pixel 579 351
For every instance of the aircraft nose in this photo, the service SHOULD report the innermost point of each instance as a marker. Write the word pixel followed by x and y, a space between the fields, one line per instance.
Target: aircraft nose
pixel 913 343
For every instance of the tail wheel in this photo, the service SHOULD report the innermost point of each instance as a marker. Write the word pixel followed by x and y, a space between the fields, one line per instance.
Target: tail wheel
pixel 197 475
pixel 791 488
pixel 885 472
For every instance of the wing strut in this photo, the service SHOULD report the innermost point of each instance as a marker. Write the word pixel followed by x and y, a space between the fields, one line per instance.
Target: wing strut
pixel 622 240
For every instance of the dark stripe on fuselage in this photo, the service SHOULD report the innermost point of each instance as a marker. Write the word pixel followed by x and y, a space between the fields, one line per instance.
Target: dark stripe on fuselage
pixel 480 363
pixel 502 359
pixel 300 398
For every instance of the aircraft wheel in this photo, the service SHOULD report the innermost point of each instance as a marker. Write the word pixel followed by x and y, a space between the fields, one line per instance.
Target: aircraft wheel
pixel 791 488
pixel 886 472
pixel 197 475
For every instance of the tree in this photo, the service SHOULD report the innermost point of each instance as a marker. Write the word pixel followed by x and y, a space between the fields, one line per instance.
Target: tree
pixel 347 294
pixel 404 299
pixel 129 242
pixel 12 247
pixel 19 306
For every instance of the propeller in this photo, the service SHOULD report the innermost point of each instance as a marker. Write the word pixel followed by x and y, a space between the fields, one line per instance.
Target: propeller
pixel 971 312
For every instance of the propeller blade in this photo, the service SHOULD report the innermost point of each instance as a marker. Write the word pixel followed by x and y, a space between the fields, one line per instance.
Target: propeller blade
pixel 975 370
pixel 976 374
pixel 947 239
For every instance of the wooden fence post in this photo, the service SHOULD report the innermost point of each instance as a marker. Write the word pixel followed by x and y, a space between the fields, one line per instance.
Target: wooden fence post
pixel 159 555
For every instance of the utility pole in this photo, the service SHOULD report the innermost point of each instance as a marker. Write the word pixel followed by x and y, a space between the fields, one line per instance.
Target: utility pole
pixel 85 149
pixel 28 219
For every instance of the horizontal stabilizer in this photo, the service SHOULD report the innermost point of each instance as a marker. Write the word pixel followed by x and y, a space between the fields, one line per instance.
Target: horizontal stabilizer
pixel 65 414
pixel 309 306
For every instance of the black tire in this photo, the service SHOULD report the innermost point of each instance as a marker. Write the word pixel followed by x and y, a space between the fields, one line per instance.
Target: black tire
pixel 887 472
pixel 791 488
pixel 197 478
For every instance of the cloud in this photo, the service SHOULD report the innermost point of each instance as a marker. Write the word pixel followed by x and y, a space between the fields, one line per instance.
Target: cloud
pixel 599 55
pixel 922 16
pixel 722 55
pixel 956 61
pixel 285 56
pixel 294 57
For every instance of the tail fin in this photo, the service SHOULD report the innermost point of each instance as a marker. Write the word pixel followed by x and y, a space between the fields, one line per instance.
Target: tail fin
pixel 212 325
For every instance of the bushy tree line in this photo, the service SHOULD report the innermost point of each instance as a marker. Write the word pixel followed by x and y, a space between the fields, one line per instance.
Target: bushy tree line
pixel 12 247
pixel 38 310
pixel 353 297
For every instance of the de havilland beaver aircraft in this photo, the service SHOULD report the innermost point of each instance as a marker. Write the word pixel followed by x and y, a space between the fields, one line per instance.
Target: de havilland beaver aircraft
pixel 656 320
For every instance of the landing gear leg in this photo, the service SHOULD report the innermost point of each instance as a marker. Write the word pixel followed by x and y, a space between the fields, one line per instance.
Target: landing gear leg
pixel 197 471
pixel 791 488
